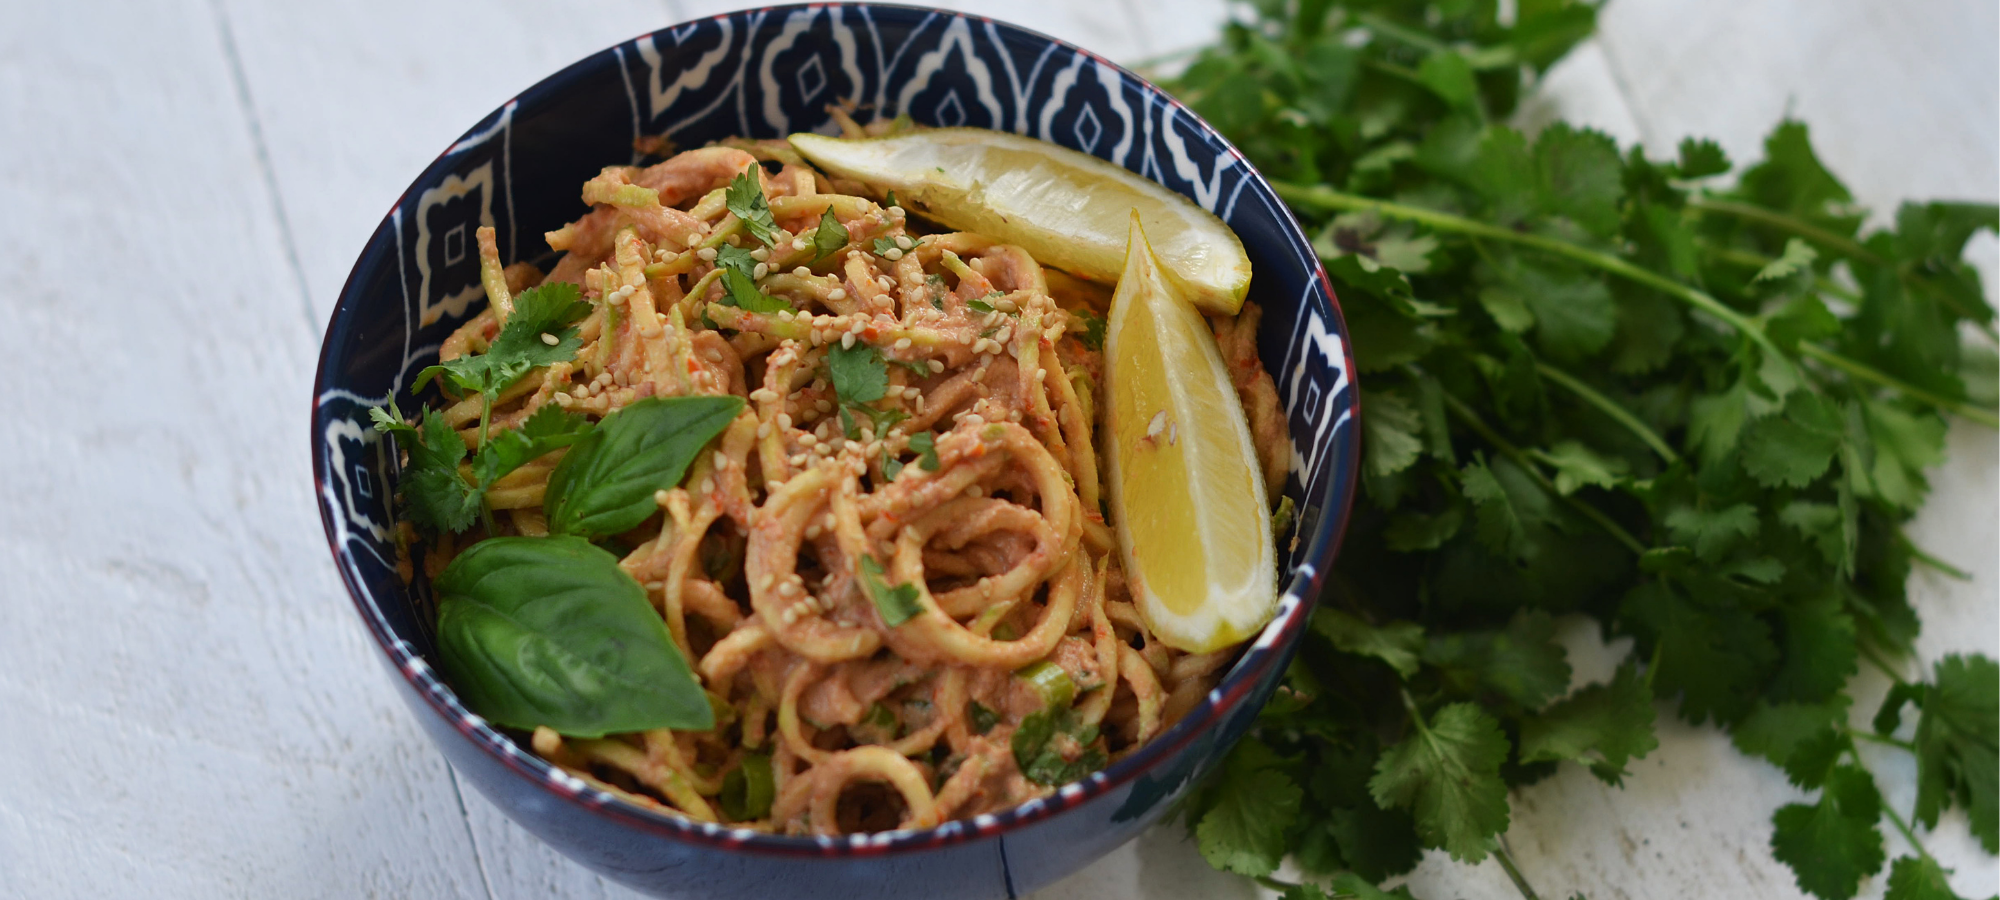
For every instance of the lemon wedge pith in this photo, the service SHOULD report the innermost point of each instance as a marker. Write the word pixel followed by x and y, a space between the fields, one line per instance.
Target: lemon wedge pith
pixel 1067 209
pixel 1185 489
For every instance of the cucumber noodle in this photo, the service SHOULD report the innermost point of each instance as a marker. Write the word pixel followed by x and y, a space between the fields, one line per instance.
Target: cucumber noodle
pixel 754 562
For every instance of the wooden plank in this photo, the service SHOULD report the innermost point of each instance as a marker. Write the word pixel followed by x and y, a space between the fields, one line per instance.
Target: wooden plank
pixel 191 711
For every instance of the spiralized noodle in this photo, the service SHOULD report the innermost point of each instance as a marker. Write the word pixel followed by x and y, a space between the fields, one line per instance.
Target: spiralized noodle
pixel 754 562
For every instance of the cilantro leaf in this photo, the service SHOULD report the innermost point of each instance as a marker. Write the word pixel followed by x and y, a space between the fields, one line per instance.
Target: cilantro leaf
pixel 1958 744
pixel 896 604
pixel 1577 465
pixel 1820 651
pixel 982 718
pixel 439 499
pixel 1447 773
pixel 1798 257
pixel 1397 643
pixel 1713 657
pixel 925 444
pixel 979 306
pixel 736 259
pixel 745 199
pixel 549 429
pixel 1919 878
pixel 1507 506
pixel 1701 159
pixel 859 373
pixel 1796 447
pixel 1093 330
pixel 1244 831
pixel 1775 731
pixel 1713 532
pixel 1832 844
pixel 829 236
pixel 1522 662
pixel 1614 721
pixel 549 309
pixel 883 245
pixel 743 292
pixel 1390 432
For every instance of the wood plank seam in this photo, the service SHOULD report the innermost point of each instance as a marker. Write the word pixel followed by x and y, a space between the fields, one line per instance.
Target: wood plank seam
pixel 465 820
pixel 264 168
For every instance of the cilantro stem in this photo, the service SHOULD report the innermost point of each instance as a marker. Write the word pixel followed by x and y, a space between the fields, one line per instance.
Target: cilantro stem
pixel 1324 197
pixel 1843 245
pixel 1904 827
pixel 1375 22
pixel 1868 373
pixel 1874 658
pixel 1917 553
pixel 1514 872
pixel 1608 407
pixel 1881 739
pixel 485 414
pixel 1471 419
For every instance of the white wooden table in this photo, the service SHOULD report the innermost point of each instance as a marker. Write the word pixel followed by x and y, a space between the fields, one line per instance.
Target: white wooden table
pixel 188 707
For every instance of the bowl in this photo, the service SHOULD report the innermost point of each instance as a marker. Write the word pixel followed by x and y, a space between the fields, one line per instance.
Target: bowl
pixel 766 73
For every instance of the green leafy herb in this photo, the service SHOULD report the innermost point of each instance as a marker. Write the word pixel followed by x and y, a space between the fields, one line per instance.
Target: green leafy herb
pixel 1693 401
pixel 925 444
pixel 1093 330
pixel 883 246
pixel 896 604
pixel 523 624
pixel 440 499
pixel 745 199
pixel 829 236
pixel 550 309
pixel 979 306
pixel 606 483
pixel 859 373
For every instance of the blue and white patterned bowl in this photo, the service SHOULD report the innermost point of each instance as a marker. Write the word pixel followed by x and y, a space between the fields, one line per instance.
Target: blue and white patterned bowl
pixel 766 73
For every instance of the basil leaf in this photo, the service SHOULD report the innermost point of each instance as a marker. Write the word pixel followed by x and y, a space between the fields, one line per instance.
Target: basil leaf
pixel 550 631
pixel 748 789
pixel 605 484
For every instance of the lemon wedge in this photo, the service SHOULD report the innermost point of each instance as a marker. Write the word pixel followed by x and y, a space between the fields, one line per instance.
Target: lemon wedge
pixel 1065 208
pixel 1186 491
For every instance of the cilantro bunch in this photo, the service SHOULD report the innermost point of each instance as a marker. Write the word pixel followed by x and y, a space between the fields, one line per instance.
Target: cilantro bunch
pixel 1692 402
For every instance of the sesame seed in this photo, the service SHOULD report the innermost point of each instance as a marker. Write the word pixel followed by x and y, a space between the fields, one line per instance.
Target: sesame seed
pixel 901 343
pixel 893 254
pixel 784 420
pixel 721 460
pixel 897 211
pixel 763 430
pixel 656 585
pixel 1157 424
pixel 764 395
pixel 760 254
pixel 799 243
pixel 802 271
pixel 707 254
pixel 1041 373
pixel 1173 432
pixel 789 616
pixel 1004 336
pixel 798 459
pixel 847 341
pixel 975 491
pixel 761 271
pixel 660 497
pixel 823 406
pixel 807 439
pixel 934 365
pixel 836 294
pixel 812 531
pixel 694 240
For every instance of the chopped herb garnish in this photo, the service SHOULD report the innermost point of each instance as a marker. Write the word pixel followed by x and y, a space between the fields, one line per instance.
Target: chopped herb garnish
pixel 1093 330
pixel 742 292
pixel 895 604
pixel 438 498
pixel 745 198
pixel 550 309
pixel 829 236
pixel 980 306
pixel 926 446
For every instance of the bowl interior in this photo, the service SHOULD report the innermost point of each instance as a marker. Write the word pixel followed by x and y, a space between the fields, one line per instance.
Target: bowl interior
pixel 767 73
